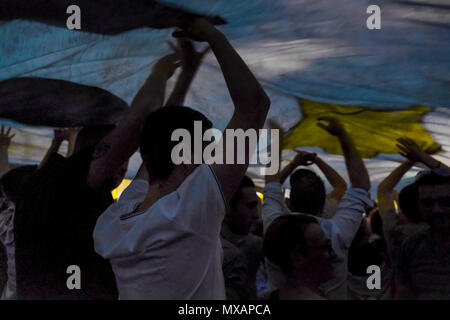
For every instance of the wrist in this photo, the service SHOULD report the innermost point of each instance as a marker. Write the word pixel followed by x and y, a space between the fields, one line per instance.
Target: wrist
pixel 214 36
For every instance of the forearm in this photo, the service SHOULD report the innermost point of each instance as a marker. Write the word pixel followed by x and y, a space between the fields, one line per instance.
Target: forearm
pixel 286 172
pixel 245 90
pixel 151 95
pixel 386 187
pixel 181 88
pixel 337 182
pixel 273 204
pixel 54 147
pixel 71 145
pixel 388 184
pixel 4 159
pixel 123 141
pixel 356 169
pixel 431 162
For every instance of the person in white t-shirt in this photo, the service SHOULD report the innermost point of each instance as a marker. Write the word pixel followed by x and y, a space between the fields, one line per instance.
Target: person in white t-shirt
pixel 163 235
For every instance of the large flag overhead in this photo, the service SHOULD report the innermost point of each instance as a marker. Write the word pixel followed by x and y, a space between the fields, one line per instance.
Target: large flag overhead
pixel 317 50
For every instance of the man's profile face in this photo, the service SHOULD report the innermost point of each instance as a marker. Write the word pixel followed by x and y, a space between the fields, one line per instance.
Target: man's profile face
pixel 319 252
pixel 246 211
pixel 434 206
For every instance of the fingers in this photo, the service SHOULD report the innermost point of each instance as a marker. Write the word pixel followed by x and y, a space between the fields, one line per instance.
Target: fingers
pixel 8 131
pixel 2 132
pixel 404 151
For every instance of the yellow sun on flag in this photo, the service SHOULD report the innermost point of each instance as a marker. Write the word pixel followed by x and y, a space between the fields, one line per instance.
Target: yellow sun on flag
pixel 373 131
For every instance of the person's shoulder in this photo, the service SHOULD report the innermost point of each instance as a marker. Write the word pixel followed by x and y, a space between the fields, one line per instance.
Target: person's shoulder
pixel 203 182
pixel 230 251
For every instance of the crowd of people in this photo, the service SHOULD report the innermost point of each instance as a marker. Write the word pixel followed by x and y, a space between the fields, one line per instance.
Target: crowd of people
pixel 188 231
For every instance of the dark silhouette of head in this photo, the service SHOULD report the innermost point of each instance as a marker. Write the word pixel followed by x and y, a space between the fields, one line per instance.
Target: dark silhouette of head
pixel 13 183
pixel 90 136
pixel 307 192
pixel 243 208
pixel 297 244
pixel 408 202
pixel 156 144
pixel 434 201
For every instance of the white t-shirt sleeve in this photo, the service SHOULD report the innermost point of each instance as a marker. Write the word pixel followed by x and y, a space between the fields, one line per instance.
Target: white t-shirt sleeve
pixel 201 205
pixel 137 190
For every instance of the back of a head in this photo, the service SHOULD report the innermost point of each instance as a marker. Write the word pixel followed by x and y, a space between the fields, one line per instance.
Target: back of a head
pixel 14 181
pixel 90 136
pixel 284 235
pixel 156 145
pixel 307 192
pixel 430 178
pixel 408 201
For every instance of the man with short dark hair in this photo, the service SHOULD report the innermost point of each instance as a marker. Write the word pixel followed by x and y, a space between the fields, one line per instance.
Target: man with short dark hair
pixel 297 244
pixel 163 235
pixel 56 216
pixel 307 192
pixel 423 263
pixel 242 250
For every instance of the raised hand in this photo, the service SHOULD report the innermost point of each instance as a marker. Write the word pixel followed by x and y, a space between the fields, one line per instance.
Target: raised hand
pixel 190 58
pixel 411 150
pixel 5 135
pixel 332 125
pixel 168 64
pixel 304 158
pixel 197 29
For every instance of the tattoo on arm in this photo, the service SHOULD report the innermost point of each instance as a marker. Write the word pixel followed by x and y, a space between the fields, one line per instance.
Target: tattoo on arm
pixel 100 150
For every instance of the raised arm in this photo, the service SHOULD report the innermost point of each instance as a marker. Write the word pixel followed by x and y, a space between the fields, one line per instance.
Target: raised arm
pixel 386 187
pixel 334 178
pixel 348 216
pixel 356 169
pixel 190 61
pixel 410 150
pixel 5 141
pixel 123 141
pixel 251 103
